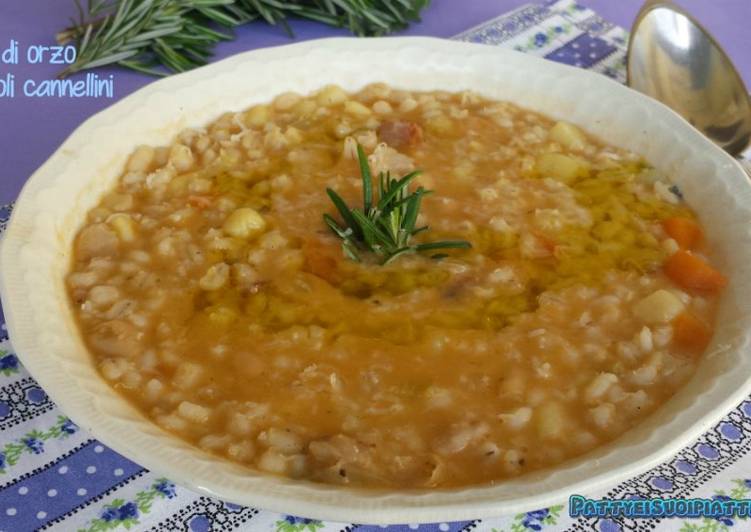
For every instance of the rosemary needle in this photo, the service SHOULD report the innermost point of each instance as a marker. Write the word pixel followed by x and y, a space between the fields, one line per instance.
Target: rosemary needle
pixel 387 220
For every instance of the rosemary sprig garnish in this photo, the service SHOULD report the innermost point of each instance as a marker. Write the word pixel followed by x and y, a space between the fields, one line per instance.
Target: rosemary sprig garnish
pixel 387 220
pixel 181 34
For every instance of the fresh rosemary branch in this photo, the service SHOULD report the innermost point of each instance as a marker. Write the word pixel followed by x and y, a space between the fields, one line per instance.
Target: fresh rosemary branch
pixel 181 34
pixel 387 220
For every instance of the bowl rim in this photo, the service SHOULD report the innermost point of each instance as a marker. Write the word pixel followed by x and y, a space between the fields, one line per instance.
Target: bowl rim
pixel 334 503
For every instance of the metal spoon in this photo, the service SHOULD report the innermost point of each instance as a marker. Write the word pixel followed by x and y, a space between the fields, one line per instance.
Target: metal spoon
pixel 673 59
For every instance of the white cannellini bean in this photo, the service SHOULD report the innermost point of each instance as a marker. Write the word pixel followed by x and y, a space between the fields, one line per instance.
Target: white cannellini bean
pixel 123 225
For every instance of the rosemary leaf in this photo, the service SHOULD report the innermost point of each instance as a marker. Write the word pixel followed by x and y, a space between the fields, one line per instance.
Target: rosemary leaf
pixel 367 180
pixel 444 244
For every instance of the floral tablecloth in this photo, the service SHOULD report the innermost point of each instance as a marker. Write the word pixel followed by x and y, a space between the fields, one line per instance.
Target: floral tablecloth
pixel 54 476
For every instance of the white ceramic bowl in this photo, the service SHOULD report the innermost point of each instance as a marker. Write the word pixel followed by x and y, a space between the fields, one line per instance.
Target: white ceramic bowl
pixel 36 253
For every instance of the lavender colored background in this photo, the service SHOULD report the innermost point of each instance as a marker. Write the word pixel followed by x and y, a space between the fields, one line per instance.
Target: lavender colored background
pixel 32 128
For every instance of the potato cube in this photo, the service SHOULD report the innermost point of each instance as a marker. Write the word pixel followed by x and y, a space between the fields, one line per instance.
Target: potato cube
pixel 244 223
pixel 124 226
pixel 562 167
pixel 215 277
pixel 568 135
pixel 660 307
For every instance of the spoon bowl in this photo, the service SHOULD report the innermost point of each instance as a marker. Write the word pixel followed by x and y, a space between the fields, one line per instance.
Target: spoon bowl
pixel 673 59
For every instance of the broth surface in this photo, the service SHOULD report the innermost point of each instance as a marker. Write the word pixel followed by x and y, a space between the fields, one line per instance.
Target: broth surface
pixel 214 298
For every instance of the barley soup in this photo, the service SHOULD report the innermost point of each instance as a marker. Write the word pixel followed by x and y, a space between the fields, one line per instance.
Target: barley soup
pixel 213 296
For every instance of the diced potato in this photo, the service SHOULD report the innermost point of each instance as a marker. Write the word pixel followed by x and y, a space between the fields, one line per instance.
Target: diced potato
pixel 257 116
pixel 124 226
pixel 660 307
pixel 568 136
pixel 244 223
pixel 119 202
pixel 215 277
pixel 96 240
pixel 562 167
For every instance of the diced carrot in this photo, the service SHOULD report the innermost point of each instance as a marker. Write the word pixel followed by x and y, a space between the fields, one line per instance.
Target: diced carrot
pixel 690 333
pixel 200 202
pixel 685 231
pixel 691 272
pixel 320 260
pixel 546 242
